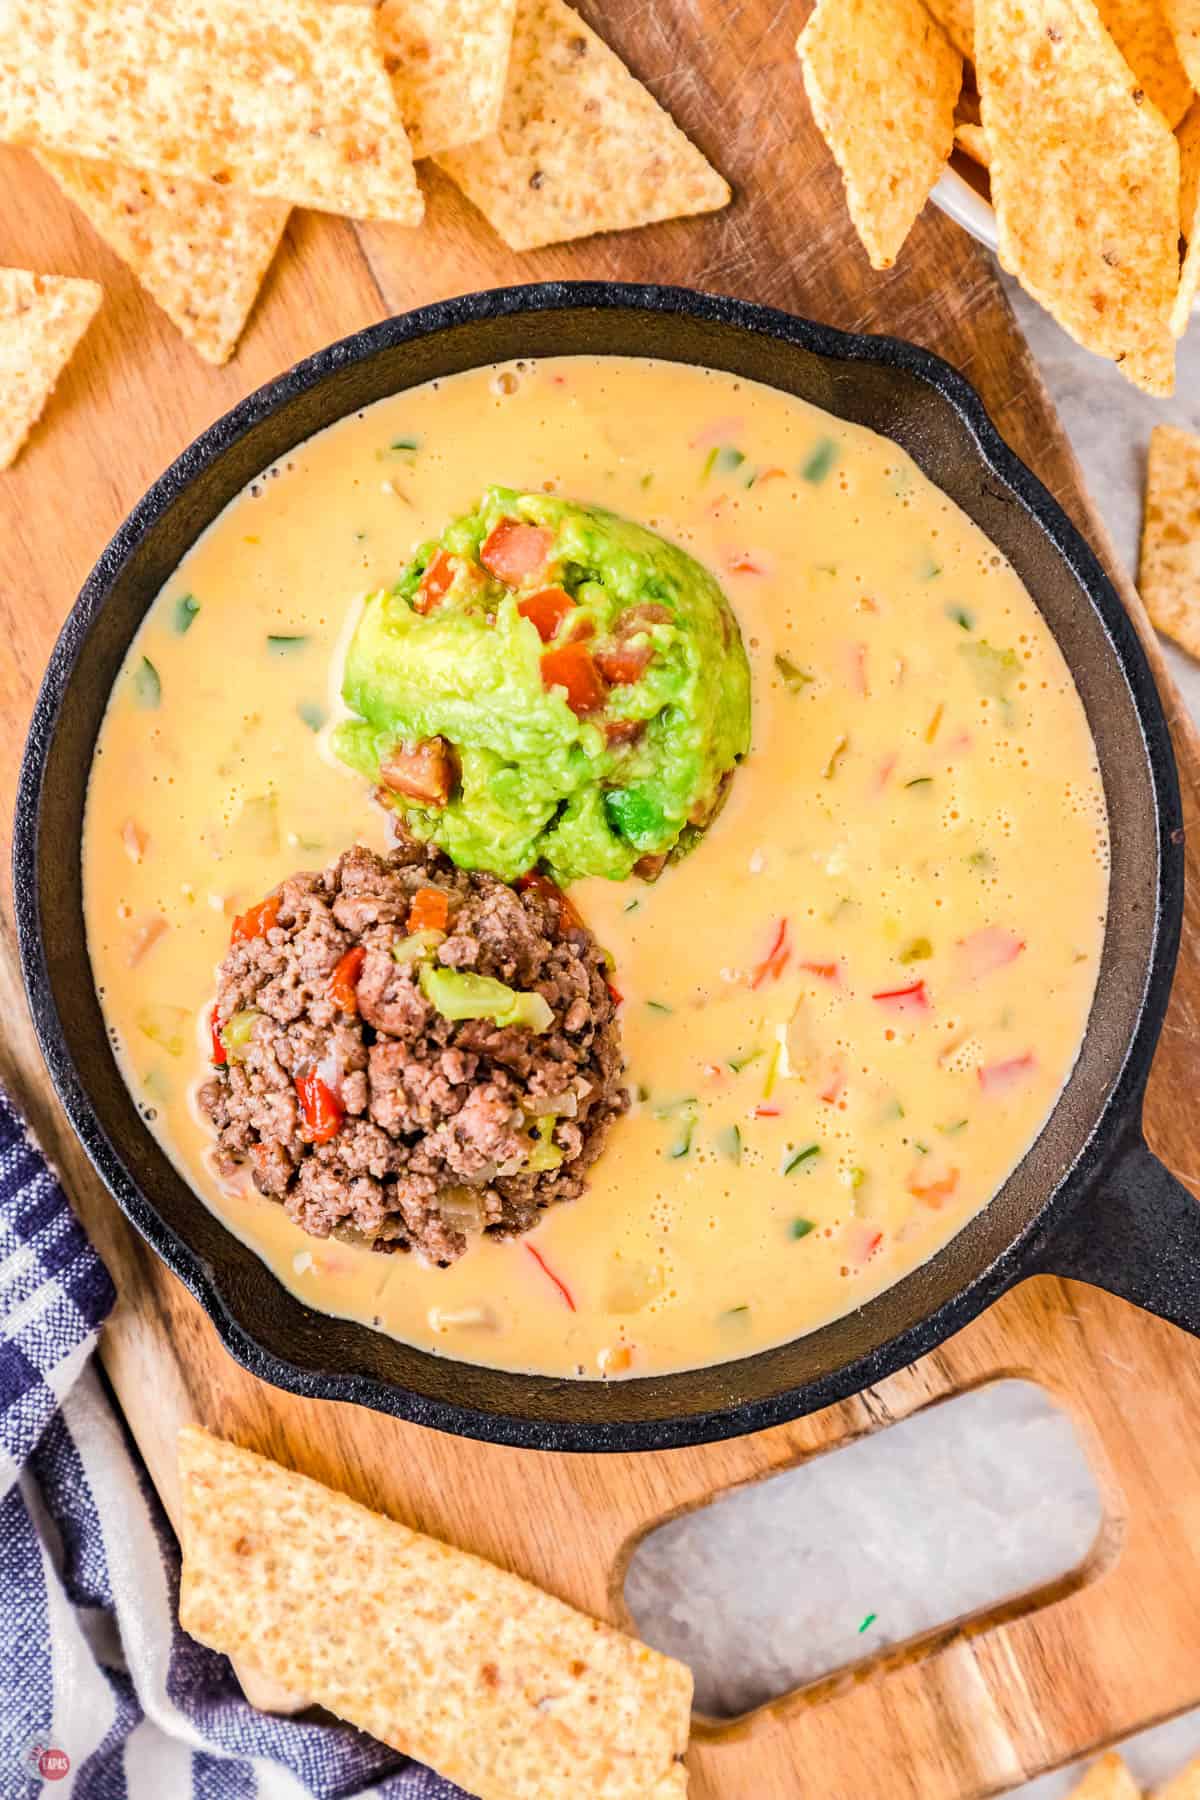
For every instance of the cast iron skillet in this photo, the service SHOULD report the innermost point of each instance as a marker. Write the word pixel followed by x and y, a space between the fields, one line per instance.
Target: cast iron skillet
pixel 1087 1201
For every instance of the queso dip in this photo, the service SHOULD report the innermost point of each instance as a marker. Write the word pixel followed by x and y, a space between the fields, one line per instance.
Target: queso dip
pixel 846 1013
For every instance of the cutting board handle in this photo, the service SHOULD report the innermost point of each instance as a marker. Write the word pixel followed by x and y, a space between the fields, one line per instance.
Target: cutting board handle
pixel 1136 1235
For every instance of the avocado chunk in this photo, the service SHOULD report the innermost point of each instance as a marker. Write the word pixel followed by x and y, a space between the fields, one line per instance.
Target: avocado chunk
pixel 549 683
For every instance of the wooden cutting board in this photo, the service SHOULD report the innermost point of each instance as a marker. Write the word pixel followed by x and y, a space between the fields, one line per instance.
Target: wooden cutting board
pixel 979 1706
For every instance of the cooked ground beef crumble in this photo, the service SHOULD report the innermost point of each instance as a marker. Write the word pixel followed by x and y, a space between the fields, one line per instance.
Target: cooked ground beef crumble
pixel 422 1128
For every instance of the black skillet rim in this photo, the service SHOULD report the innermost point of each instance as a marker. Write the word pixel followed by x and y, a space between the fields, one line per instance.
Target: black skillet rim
pixel 1109 1129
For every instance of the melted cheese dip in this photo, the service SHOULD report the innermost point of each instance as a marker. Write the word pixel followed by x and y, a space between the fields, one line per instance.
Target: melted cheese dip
pixel 847 1013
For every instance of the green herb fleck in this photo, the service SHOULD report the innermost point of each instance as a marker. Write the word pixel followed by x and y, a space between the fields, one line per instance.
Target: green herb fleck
pixel 729 1143
pixel 857 1177
pixel 798 1157
pixel 709 461
pixel 658 1007
pixel 312 714
pixel 893 1110
pixel 147 688
pixel 928 569
pixel 800 1228
pixel 186 608
pixel 918 951
pixel 920 1148
pixel 645 482
pixel 819 460
pixel 961 616
pixel 729 459
pixel 920 781
pixel 280 644
pixel 405 446
pixel 867 1622
pixel 736 1312
pixel 839 750
pixel 666 1109
pixel 681 1143
pixel 953 1130
pixel 738 1063
pixel 794 679
pixel 980 859
pixel 994 669
pixel 631 906
pixel 772 1070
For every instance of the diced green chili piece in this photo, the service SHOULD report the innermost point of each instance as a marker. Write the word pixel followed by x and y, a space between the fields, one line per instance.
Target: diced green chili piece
pixel 953 1130
pixel 408 445
pixel 147 688
pixel 738 1063
pixel 800 1228
pixel 285 643
pixel 961 616
pixel 928 569
pixel 709 461
pixel 799 1157
pixel 421 944
pixel 461 994
pixel 658 1007
pixel 794 678
pixel 681 1143
pixel 729 1143
pixel 184 611
pixel 920 781
pixel 819 460
pixel 729 458
pixel 237 1033
pixel 545 1154
pixel 918 951
pixel 313 715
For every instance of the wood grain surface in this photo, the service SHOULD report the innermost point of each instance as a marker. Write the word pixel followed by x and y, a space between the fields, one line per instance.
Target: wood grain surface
pixel 982 1704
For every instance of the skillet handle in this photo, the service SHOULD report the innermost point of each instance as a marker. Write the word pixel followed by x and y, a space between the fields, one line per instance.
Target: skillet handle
pixel 1137 1235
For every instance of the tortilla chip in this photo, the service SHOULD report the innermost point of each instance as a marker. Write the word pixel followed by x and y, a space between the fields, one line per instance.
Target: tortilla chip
pixel 1169 571
pixel 1186 1785
pixel 42 318
pixel 972 141
pixel 1141 33
pixel 582 145
pixel 957 19
pixel 1189 219
pixel 1107 1779
pixel 283 98
pixel 494 1683
pixel 448 60
pixel 1183 17
pixel 1101 255
pixel 882 78
pixel 200 252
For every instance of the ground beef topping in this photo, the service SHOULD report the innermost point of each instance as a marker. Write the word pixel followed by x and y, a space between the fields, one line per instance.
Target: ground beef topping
pixel 413 1053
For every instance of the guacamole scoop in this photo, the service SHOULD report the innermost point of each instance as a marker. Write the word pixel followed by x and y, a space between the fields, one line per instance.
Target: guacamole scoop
pixel 549 683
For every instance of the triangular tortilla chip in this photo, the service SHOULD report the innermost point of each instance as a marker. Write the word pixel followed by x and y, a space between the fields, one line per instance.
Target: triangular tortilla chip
pixel 1189 219
pixel 1169 570
pixel 448 1658
pixel 448 60
pixel 1107 1779
pixel 201 252
pixel 582 145
pixel 42 318
pixel 1101 255
pixel 1141 33
pixel 972 141
pixel 882 78
pixel 1183 17
pixel 957 19
pixel 1186 1785
pixel 283 98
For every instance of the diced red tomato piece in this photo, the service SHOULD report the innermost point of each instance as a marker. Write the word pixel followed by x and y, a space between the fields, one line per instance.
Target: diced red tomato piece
pixel 906 999
pixel 546 610
pixel 988 949
pixel 773 963
pixel 766 1112
pixel 573 668
pixel 537 883
pixel 934 1191
pixel 515 551
pixel 426 772
pixel 744 562
pixel 624 731
pixel 436 583
pixel 622 663
pixel 256 921
pixel 827 971
pixel 862 1240
pixel 429 910
pixel 323 1111
pixel 999 1078
pixel 344 980
pixel 219 1055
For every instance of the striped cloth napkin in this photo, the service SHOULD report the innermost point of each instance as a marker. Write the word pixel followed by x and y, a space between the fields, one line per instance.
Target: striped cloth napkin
pixel 101 1695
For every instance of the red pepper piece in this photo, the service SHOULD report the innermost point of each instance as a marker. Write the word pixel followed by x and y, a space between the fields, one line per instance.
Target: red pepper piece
pixel 624 663
pixel 934 1192
pixel 998 1078
pixel 344 980
pixel 544 1266
pixel 429 910
pixel 546 610
pixel 534 882
pixel 906 999
pixel 436 583
pixel 219 1054
pixel 257 921
pixel 514 551
pixel 773 963
pixel 426 772
pixel 323 1111
pixel 573 668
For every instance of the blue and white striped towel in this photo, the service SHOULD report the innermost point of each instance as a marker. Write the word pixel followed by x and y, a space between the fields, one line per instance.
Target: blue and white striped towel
pixel 101 1695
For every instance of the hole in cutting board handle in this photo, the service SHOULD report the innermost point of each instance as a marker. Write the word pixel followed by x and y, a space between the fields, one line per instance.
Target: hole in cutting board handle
pixel 983 1502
